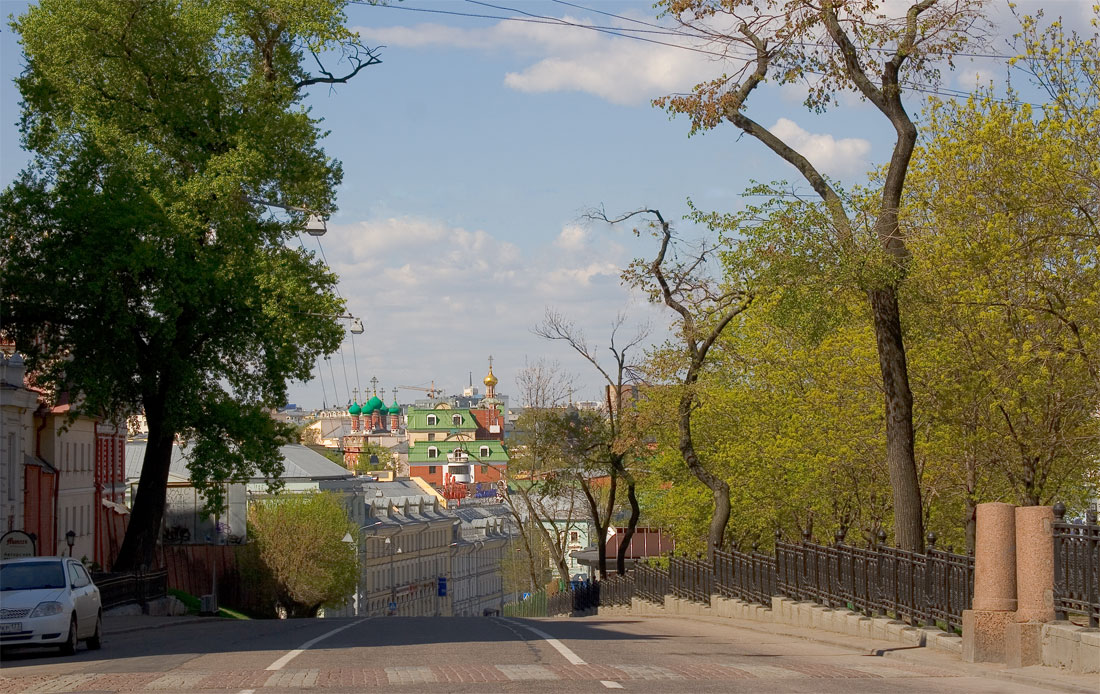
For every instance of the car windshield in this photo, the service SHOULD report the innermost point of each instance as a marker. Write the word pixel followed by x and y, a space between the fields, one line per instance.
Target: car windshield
pixel 31 575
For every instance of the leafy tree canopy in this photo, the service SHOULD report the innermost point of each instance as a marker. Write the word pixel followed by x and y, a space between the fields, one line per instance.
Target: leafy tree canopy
pixel 300 538
pixel 136 270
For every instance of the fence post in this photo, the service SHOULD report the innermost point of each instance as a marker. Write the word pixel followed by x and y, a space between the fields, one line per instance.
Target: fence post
pixel 929 580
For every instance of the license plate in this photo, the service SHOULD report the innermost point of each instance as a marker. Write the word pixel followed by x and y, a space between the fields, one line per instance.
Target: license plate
pixel 11 628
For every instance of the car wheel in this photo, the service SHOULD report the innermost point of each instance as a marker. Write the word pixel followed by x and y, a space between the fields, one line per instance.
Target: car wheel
pixel 96 640
pixel 69 647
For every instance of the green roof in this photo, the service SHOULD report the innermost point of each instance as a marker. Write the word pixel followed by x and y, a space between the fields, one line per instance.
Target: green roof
pixel 498 454
pixel 373 404
pixel 354 409
pixel 417 420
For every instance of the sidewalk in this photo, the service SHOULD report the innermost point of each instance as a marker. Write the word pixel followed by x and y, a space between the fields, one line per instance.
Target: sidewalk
pixel 124 624
pixel 1036 676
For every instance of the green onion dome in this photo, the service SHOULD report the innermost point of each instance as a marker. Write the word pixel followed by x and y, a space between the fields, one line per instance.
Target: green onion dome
pixel 375 403
pixel 395 408
pixel 355 410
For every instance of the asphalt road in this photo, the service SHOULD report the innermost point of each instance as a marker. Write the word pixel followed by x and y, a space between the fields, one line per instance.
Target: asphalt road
pixel 593 654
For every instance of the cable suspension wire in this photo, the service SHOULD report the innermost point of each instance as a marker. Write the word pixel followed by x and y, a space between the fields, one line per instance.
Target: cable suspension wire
pixel 625 32
pixel 344 364
pixel 335 392
pixel 355 361
pixel 324 393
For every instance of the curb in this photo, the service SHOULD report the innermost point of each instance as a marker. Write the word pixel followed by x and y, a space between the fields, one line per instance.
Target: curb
pixel 175 621
pixel 902 653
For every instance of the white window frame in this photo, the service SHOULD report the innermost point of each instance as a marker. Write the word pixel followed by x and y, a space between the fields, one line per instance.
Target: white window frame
pixel 433 452
pixel 432 420
pixel 484 452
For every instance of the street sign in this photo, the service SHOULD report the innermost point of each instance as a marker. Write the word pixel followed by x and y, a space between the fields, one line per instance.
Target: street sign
pixel 393 606
pixel 442 586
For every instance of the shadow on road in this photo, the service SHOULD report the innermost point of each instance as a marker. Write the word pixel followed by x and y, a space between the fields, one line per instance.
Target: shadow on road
pixel 200 638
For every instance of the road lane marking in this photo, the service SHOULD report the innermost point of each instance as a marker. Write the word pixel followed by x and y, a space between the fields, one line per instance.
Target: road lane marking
pixel 611 685
pixel 291 655
pixel 558 645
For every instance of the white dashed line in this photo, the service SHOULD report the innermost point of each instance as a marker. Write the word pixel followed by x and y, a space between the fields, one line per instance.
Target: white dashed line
pixel 558 645
pixel 291 655
pixel 611 685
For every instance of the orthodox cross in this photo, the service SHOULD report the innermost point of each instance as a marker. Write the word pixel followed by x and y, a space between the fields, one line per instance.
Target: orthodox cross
pixel 374 384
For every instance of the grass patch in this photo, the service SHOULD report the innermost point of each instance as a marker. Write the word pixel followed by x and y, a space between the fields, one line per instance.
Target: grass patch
pixel 194 605
pixel 231 614
pixel 189 601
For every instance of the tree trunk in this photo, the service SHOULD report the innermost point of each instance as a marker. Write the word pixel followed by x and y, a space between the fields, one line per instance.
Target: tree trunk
pixel 635 513
pixel 900 460
pixel 718 487
pixel 138 549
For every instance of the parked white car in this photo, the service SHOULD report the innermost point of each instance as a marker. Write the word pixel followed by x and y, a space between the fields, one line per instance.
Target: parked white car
pixel 49 601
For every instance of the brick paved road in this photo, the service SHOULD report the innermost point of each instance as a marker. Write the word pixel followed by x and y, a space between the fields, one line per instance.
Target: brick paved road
pixel 475 655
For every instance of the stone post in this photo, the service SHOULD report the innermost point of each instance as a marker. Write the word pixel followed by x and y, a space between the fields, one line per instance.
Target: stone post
pixel 994 603
pixel 1034 585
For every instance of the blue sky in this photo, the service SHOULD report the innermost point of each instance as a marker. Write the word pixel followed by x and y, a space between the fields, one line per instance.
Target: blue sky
pixel 471 153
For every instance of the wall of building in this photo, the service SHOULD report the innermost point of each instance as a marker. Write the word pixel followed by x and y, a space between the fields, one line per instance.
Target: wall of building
pixel 70 448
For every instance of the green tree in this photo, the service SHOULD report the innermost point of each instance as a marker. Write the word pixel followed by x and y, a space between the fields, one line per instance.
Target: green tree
pixel 1006 280
pixel 300 541
pixel 834 46
pixel 134 269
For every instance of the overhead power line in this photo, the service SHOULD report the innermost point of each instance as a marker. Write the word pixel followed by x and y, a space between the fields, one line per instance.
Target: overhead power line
pixel 625 32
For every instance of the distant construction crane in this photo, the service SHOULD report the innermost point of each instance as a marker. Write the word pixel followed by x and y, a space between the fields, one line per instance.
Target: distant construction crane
pixel 432 392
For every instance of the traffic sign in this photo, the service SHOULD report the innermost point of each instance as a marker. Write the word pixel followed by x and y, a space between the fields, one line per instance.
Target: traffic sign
pixel 442 586
pixel 393 606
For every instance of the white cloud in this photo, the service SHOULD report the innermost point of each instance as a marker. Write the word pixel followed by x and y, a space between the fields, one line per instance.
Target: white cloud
pixel 837 157
pixel 572 238
pixel 620 70
pixel 438 299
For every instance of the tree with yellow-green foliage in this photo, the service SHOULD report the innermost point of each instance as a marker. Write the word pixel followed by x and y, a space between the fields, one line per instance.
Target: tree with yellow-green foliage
pixel 300 542
pixel 1002 300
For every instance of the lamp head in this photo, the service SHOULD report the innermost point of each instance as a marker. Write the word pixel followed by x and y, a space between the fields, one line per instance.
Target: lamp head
pixel 70 538
pixel 315 226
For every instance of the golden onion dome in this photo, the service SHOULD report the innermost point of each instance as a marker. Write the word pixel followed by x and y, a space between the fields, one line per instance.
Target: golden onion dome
pixel 490 380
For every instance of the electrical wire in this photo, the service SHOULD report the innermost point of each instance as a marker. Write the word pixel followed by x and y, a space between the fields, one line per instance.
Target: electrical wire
pixel 324 392
pixel 625 32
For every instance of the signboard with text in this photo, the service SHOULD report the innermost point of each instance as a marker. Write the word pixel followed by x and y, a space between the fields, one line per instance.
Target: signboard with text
pixel 15 544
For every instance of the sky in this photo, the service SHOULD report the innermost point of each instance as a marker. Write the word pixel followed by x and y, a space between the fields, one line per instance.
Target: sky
pixel 473 151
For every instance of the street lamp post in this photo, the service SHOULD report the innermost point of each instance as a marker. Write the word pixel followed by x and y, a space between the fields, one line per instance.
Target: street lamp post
pixel 70 540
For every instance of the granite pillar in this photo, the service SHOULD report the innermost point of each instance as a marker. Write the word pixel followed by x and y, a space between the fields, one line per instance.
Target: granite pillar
pixel 994 603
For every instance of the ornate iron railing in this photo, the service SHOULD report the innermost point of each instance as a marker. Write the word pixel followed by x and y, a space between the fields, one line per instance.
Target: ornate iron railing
pixel 616 590
pixel 651 582
pixel 124 588
pixel 748 576
pixel 690 579
pixel 1076 566
pixel 931 587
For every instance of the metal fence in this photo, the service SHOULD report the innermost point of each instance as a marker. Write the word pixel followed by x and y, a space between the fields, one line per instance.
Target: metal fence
pixel 616 590
pixel 748 576
pixel 931 587
pixel 651 582
pixel 577 598
pixel 1076 566
pixel 124 588
pixel 534 605
pixel 691 579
